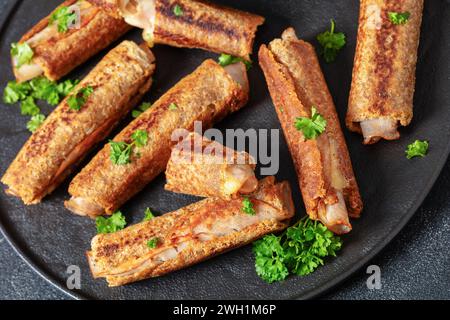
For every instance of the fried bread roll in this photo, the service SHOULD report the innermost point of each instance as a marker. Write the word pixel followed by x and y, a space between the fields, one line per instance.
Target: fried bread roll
pixel 118 83
pixel 189 235
pixel 207 95
pixel 57 53
pixel 381 95
pixel 323 165
pixel 190 24
pixel 201 167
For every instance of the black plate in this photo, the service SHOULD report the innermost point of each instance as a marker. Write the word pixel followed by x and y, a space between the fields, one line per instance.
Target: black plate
pixel 50 239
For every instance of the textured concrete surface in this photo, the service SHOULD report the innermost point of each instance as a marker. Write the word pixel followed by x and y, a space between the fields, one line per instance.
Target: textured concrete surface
pixel 414 266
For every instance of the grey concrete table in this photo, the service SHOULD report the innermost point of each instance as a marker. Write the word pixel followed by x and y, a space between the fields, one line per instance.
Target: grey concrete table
pixel 416 265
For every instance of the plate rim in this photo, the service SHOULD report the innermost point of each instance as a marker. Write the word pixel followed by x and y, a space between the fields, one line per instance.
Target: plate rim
pixel 18 248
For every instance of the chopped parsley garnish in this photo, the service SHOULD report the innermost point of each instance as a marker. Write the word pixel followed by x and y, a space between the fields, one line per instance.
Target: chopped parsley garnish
pixel 35 122
pixel 64 18
pixel 112 224
pixel 22 54
pixel 311 127
pixel 79 99
pixel 173 106
pixel 28 107
pixel 148 215
pixel 152 243
pixel 247 206
pixel 15 92
pixel 139 110
pixel 299 250
pixel 331 43
pixel 177 10
pixel 227 59
pixel 417 149
pixel 120 152
pixel 398 18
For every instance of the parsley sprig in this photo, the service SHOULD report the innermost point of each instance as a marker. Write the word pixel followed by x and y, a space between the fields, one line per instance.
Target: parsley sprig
pixel 64 17
pixel 79 99
pixel 311 127
pixel 120 151
pixel 300 250
pixel 398 18
pixel 142 108
pixel 227 59
pixel 331 43
pixel 22 54
pixel 417 149
pixel 112 224
pixel 247 206
pixel 177 10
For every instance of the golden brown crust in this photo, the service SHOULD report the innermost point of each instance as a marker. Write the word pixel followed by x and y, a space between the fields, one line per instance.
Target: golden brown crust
pixel 207 26
pixel 198 166
pixel 60 54
pixel 202 25
pixel 124 257
pixel 119 81
pixel 207 95
pixel 296 83
pixel 385 60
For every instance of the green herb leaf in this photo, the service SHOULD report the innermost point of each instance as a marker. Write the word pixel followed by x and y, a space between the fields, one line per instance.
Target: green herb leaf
pixel 311 127
pixel 398 18
pixel 331 43
pixel 152 243
pixel 173 106
pixel 142 108
pixel 79 99
pixel 227 59
pixel 177 10
pixel 120 153
pixel 148 215
pixel 22 54
pixel 269 259
pixel 247 206
pixel 112 224
pixel 15 92
pixel 64 18
pixel 140 138
pixel 417 149
pixel 29 108
pixel 35 122
pixel 301 249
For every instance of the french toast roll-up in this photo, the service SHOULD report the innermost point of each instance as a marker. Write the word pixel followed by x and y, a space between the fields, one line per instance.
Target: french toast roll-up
pixel 189 235
pixel 383 80
pixel 205 168
pixel 59 48
pixel 116 85
pixel 206 95
pixel 323 165
pixel 190 24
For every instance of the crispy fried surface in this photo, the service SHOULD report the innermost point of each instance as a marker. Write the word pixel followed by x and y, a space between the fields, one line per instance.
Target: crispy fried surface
pixel 207 26
pixel 119 81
